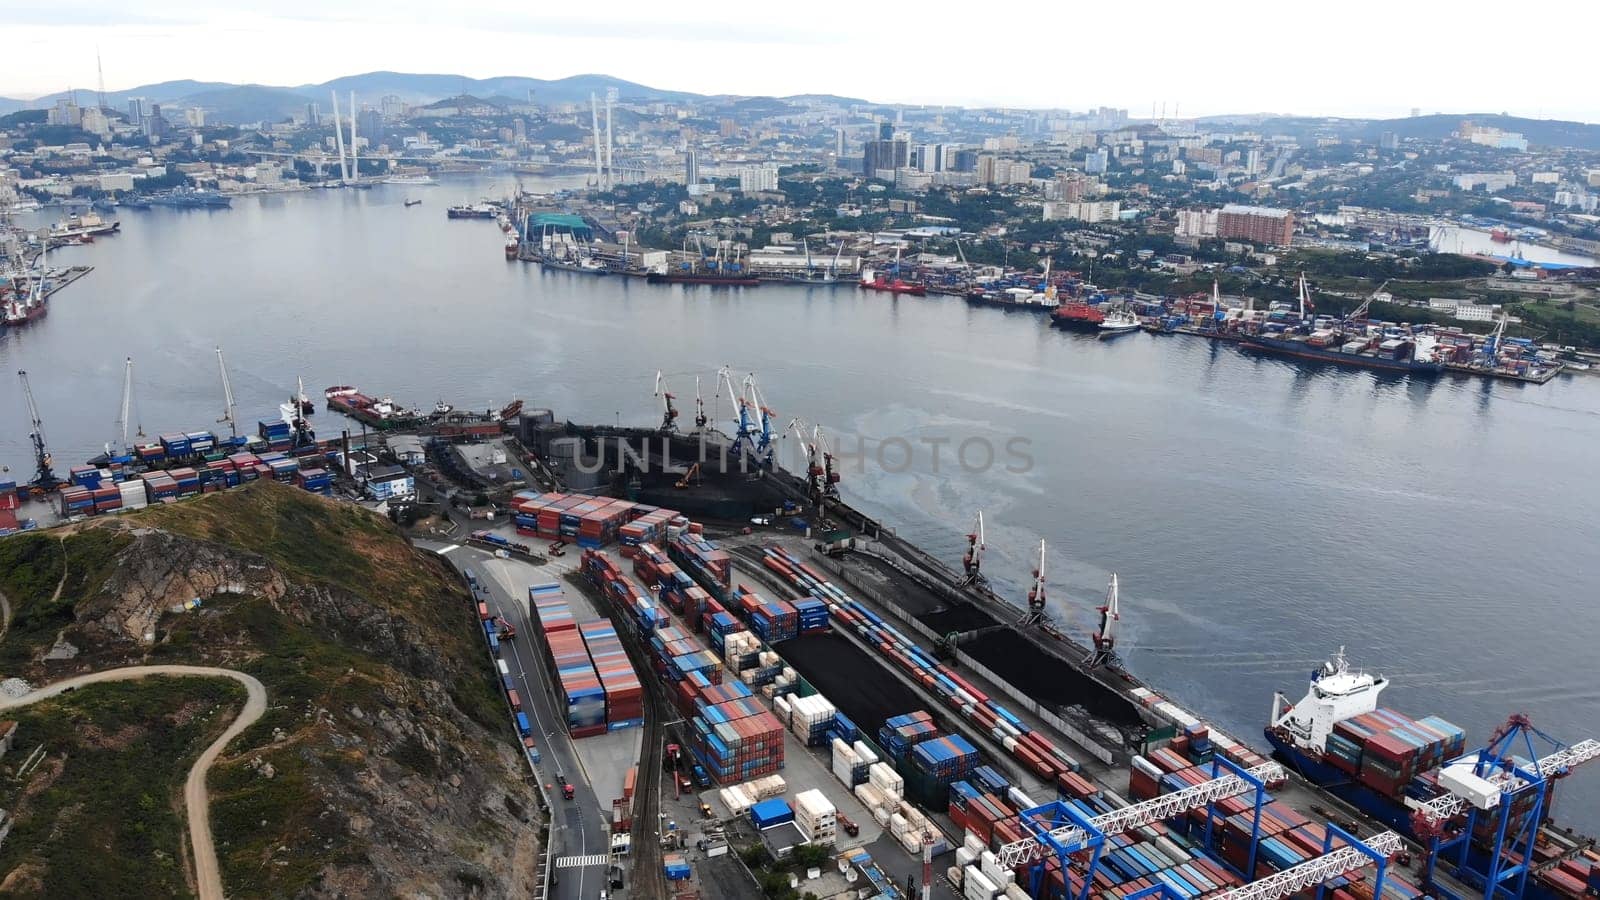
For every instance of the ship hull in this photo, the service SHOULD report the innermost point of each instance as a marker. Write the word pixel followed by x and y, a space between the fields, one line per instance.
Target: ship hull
pixel 979 300
pixel 1297 350
pixel 910 290
pixel 715 280
pixel 570 267
pixel 1088 326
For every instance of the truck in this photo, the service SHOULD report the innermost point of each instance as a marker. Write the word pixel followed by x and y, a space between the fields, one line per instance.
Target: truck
pixel 524 727
pixel 531 749
pixel 516 702
pixel 508 631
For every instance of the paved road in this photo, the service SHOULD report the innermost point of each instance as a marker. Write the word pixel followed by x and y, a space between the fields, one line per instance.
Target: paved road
pixel 578 826
pixel 195 797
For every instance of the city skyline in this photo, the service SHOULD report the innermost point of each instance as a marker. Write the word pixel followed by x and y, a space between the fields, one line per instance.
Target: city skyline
pixel 1297 62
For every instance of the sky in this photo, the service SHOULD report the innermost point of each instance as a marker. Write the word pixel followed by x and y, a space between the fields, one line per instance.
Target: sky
pixel 1350 58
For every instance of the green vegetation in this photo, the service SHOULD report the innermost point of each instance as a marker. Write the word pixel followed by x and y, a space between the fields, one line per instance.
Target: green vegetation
pixel 773 875
pixel 30 571
pixel 1566 323
pixel 101 814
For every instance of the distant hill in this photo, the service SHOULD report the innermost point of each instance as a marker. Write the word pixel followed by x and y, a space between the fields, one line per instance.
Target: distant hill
pixel 1539 132
pixel 423 88
pixel 8 105
pixel 249 103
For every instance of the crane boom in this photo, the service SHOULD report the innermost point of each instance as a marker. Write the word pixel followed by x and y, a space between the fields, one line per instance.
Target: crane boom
pixel 1118 821
pixel 228 414
pixel 972 560
pixel 44 476
pixel 699 407
pixel 669 413
pixel 1105 637
pixel 1439 809
pixel 1313 872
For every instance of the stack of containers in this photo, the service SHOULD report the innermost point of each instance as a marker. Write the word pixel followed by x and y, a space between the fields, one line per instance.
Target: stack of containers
pixel 159 487
pixel 900 733
pixel 275 432
pixel 201 442
pixel 9 499
pixel 816 816
pixel 847 766
pixel 77 501
pixel 811 718
pixel 283 469
pixel 813 615
pixel 582 695
pixel 695 693
pixel 84 476
pixel 150 453
pixel 107 499
pixel 649 528
pixel 133 494
pixel 1386 750
pixel 245 464
pixel 317 481
pixel 175 445
pixel 624 696
pixel 976 811
pixel 188 480
pixel 934 765
pixel 711 567
pixel 675 866
pixel 718 626
pixel 843 729
pixel 737 741
pixel 741 651
pixel 886 779
pixel 772 620
pixel 550 608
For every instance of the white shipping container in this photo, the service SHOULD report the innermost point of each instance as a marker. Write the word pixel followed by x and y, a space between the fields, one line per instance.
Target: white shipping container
pixel 974 843
pixel 865 752
pixel 897 825
pixel 977 886
pixel 965 856
pixel 1019 799
pixel 880 815
pixel 1013 892
pixel 886 779
pixel 954 874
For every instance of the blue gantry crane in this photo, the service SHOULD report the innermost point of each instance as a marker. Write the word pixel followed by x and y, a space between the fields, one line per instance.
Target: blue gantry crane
pixel 1495 793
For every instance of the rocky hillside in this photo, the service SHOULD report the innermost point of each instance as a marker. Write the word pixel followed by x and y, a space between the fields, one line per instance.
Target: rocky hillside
pixel 384 765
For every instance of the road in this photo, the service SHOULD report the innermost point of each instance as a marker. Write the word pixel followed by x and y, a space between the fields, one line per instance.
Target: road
pixel 578 826
pixel 196 800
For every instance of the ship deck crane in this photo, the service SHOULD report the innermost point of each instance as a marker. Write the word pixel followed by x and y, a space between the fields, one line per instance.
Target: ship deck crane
pixel 1485 787
pixel 1036 601
pixel 119 450
pixel 1105 637
pixel 44 476
pixel 1366 304
pixel 1061 829
pixel 972 560
pixel 228 410
pixel 669 413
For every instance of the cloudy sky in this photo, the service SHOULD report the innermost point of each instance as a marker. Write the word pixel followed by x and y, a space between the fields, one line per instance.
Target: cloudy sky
pixel 1355 57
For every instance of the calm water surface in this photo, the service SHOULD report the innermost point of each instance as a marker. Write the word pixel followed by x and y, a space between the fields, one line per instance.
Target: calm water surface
pixel 1259 513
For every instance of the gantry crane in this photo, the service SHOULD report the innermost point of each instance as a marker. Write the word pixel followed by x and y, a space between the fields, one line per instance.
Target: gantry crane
pixel 1105 636
pixel 44 476
pixel 229 414
pixel 1491 786
pixel 972 560
pixel 1062 829
pixel 1355 854
pixel 1036 602
pixel 669 413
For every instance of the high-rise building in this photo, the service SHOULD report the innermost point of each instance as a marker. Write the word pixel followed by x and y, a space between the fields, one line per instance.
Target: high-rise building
pixel 155 125
pixel 194 117
pixel 758 178
pixel 728 128
pixel 392 106
pixel 1097 161
pixel 519 130
pixel 369 124
pixel 881 155
pixel 1262 224
pixel 313 115
pixel 1197 223
pixel 95 122
pixel 965 161
pixel 65 112
pixel 838 143
pixel 930 158
pixel 691 167
pixel 885 131
pixel 135 110
pixel 1252 161
pixel 1388 141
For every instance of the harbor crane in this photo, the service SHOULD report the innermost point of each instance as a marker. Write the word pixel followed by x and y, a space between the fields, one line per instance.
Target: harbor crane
pixel 229 411
pixel 1491 344
pixel 44 476
pixel 744 426
pixel 118 450
pixel 1036 602
pixel 699 407
pixel 763 439
pixel 972 560
pixel 833 271
pixel 1062 830
pixel 669 413
pixel 808 449
pixel 1105 636
pixel 1494 787
pixel 830 473
pixel 1360 311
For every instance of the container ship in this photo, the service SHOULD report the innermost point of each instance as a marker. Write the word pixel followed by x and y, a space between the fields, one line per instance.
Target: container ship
pixel 1384 353
pixel 381 413
pixel 1078 315
pixel 1407 772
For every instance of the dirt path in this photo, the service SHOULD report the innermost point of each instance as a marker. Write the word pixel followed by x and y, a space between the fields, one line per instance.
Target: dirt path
pixel 195 797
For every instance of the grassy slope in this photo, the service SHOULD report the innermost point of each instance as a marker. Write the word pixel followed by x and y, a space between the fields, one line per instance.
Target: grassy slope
pixel 306 668
pixel 102 815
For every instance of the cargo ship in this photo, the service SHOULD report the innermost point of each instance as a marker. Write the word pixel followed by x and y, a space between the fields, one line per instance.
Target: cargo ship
pixel 88 224
pixel 1390 766
pixel 1500 236
pixel 893 286
pixel 475 211
pixel 381 413
pixel 1012 298
pixel 723 279
pixel 583 265
pixel 1384 353
pixel 1078 315
pixel 190 199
